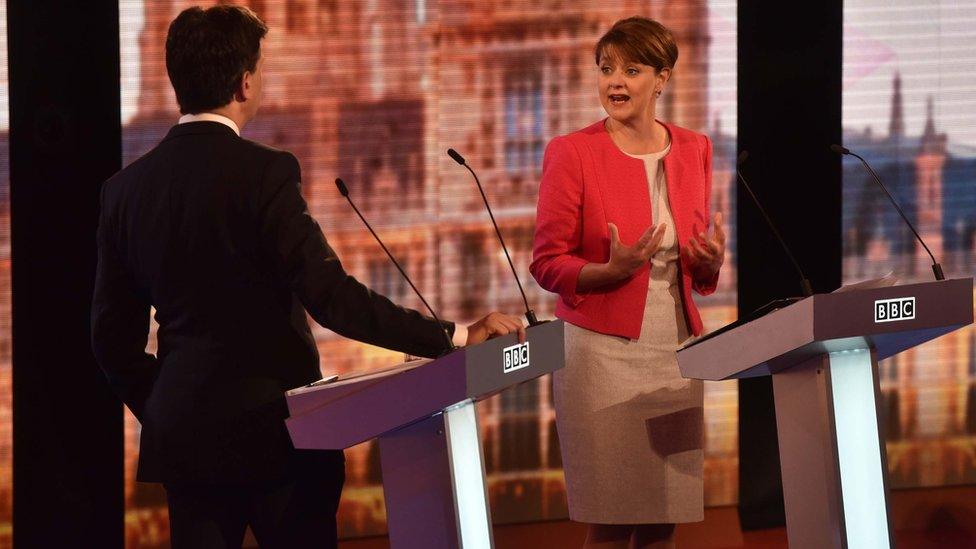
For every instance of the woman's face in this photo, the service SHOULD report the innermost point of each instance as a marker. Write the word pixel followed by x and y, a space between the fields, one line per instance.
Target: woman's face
pixel 628 89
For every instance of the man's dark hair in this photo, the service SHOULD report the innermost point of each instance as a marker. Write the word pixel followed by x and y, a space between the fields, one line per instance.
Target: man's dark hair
pixel 208 52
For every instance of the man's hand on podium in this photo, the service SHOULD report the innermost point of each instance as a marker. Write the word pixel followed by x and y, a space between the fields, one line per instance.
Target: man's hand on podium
pixel 493 325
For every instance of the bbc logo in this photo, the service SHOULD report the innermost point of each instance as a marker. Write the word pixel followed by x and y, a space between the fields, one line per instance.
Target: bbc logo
pixel 890 310
pixel 516 357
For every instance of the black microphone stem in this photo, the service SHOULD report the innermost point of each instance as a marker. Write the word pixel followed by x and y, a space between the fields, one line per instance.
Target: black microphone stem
pixel 345 193
pixel 529 313
pixel 936 267
pixel 804 282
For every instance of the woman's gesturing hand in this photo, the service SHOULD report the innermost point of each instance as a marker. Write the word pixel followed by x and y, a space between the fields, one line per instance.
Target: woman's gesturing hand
pixel 706 253
pixel 626 260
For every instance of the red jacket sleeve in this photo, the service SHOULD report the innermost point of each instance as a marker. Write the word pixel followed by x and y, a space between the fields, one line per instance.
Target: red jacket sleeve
pixel 558 231
pixel 707 286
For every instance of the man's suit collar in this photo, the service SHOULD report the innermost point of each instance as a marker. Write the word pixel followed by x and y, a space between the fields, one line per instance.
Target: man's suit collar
pixel 197 128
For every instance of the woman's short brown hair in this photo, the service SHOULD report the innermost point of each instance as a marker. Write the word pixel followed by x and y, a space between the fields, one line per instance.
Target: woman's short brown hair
pixel 641 40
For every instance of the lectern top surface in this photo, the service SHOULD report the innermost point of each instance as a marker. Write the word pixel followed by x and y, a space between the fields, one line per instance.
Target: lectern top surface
pixel 887 320
pixel 363 375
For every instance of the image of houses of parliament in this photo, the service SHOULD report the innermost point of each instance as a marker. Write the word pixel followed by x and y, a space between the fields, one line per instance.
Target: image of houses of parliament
pixel 376 92
pixel 929 393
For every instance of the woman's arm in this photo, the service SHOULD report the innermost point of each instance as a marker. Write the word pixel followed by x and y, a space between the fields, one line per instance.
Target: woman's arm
pixel 556 264
pixel 706 253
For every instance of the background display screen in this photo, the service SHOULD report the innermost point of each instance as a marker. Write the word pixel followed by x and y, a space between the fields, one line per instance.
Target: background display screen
pixel 376 92
pixel 908 108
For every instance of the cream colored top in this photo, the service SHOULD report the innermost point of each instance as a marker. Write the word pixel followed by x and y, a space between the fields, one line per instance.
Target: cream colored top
pixel 664 263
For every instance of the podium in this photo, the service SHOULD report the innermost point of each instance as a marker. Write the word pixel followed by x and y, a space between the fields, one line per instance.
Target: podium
pixel 823 354
pixel 423 413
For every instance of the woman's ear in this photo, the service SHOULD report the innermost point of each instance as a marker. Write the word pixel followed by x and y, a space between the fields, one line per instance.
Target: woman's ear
pixel 664 75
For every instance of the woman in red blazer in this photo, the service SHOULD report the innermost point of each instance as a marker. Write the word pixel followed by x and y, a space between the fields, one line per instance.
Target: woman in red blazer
pixel 622 236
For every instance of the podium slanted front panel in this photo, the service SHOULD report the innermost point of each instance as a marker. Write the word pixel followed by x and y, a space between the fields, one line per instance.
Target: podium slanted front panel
pixel 500 363
pixel 925 311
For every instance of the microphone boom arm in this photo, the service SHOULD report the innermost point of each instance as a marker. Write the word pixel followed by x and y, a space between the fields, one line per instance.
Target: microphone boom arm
pixel 345 192
pixel 529 313
pixel 936 266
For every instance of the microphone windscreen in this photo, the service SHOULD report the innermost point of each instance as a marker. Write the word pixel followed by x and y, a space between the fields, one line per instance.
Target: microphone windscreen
pixel 743 156
pixel 342 187
pixel 457 157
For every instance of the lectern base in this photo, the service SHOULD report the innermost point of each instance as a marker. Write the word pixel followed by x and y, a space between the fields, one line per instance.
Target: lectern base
pixel 434 483
pixel 832 452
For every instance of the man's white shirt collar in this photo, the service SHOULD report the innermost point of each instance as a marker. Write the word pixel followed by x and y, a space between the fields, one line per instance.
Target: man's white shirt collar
pixel 210 117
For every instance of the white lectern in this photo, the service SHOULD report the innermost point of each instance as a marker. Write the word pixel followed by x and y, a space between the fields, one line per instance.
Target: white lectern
pixel 823 354
pixel 424 415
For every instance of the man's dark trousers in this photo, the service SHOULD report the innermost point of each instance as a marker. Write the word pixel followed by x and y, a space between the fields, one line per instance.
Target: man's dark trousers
pixel 298 511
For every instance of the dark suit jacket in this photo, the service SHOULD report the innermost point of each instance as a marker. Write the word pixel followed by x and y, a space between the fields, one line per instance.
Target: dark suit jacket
pixel 212 230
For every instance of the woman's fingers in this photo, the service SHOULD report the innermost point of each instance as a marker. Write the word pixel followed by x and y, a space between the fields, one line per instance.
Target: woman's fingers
pixel 614 235
pixel 694 251
pixel 719 233
pixel 649 247
pixel 700 249
pixel 655 242
pixel 707 244
pixel 647 236
pixel 705 252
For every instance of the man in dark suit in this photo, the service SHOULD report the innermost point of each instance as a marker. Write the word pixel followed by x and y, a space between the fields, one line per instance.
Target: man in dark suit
pixel 212 230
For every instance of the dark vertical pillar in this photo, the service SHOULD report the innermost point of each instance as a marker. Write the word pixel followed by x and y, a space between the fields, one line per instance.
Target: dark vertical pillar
pixel 65 139
pixel 789 62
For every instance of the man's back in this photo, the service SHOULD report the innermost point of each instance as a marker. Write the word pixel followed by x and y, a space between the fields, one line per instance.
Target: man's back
pixel 184 221
pixel 212 231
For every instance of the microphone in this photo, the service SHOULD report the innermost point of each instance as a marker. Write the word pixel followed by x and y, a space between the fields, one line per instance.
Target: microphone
pixel 457 157
pixel 529 313
pixel 341 185
pixel 844 151
pixel 804 281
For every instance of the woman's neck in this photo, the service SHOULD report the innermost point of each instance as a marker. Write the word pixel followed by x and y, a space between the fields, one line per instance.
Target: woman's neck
pixel 642 136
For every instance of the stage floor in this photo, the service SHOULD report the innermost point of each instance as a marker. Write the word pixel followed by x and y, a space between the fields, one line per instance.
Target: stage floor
pixel 923 518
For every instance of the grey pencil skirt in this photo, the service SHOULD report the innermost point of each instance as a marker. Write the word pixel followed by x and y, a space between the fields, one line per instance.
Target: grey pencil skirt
pixel 630 427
